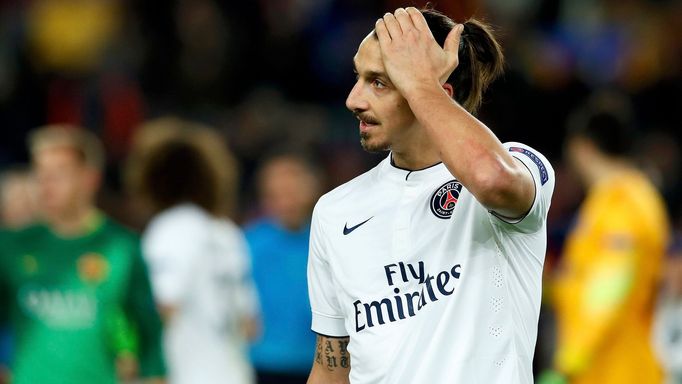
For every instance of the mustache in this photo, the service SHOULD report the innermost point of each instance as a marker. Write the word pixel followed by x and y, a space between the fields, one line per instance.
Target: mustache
pixel 367 118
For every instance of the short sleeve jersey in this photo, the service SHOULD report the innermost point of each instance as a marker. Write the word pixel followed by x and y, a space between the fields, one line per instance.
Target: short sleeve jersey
pixel 201 268
pixel 429 285
pixel 71 301
pixel 604 299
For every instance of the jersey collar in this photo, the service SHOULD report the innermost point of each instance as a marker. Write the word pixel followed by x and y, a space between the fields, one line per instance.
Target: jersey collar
pixel 394 173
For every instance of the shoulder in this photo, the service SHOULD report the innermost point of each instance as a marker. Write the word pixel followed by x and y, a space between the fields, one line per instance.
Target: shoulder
pixel 259 227
pixel 226 230
pixel 17 241
pixel 114 227
pixel 632 194
pixel 120 236
pixel 29 233
pixel 544 181
pixel 182 221
pixel 515 146
pixel 525 152
pixel 226 225
pixel 185 213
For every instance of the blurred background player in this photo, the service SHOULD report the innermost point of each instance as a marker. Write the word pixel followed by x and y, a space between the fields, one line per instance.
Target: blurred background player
pixel 605 292
pixel 74 286
pixel 200 268
pixel 667 336
pixel 288 186
pixel 17 209
pixel 18 204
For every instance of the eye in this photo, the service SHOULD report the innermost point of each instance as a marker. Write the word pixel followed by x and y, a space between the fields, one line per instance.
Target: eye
pixel 376 83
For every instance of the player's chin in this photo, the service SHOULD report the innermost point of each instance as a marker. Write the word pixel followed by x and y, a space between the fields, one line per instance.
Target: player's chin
pixel 371 144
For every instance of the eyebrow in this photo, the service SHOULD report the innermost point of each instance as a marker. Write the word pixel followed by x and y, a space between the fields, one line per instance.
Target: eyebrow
pixel 370 73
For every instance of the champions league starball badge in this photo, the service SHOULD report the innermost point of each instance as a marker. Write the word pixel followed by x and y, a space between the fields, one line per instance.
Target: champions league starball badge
pixel 445 198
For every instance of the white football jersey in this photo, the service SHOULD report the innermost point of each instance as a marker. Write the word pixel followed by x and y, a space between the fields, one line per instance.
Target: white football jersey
pixel 199 265
pixel 430 286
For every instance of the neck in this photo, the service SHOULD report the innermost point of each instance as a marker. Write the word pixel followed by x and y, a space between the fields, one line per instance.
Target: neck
pixel 77 223
pixel 603 168
pixel 418 155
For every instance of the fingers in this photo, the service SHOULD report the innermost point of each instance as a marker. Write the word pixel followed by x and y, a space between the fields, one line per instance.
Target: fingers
pixel 404 20
pixel 418 20
pixel 382 33
pixel 392 26
pixel 451 44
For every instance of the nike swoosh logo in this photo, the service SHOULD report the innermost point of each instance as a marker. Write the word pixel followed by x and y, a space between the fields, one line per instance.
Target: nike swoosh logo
pixel 347 230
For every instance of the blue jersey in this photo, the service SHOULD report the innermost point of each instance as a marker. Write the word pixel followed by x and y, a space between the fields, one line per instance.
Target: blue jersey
pixel 279 261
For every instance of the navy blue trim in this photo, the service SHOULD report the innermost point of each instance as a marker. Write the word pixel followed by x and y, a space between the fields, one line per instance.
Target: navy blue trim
pixel 544 176
pixel 412 170
pixel 330 337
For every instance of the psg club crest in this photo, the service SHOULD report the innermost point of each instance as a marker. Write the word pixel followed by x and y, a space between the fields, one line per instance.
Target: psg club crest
pixel 445 198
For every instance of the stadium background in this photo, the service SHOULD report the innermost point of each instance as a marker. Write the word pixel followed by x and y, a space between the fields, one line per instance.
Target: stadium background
pixel 265 73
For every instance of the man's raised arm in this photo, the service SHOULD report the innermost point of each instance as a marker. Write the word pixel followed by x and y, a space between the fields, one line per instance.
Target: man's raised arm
pixel 418 67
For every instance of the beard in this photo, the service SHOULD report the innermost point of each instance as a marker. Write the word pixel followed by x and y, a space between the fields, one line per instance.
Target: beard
pixel 372 148
pixel 365 136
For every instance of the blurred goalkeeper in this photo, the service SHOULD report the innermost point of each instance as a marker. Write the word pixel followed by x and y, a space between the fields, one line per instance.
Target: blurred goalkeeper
pixel 605 294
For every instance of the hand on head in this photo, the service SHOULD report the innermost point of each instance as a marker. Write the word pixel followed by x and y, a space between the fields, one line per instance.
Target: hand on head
pixel 411 55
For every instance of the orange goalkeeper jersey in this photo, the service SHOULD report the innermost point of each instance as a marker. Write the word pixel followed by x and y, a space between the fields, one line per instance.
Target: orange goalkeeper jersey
pixel 605 295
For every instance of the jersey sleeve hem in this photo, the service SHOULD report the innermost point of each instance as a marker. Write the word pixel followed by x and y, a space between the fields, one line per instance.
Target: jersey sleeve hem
pixel 329 336
pixel 328 325
pixel 543 180
pixel 516 221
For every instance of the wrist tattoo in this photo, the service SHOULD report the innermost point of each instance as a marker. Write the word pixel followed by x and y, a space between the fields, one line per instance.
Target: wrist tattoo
pixel 343 351
pixel 318 352
pixel 329 354
pixel 332 353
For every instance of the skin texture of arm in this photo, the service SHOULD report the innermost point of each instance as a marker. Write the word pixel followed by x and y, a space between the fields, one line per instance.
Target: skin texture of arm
pixel 418 68
pixel 332 361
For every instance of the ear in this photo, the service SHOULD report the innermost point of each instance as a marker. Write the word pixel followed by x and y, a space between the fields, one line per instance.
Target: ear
pixel 449 89
pixel 93 179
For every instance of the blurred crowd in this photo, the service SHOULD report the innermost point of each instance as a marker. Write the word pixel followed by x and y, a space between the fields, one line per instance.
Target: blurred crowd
pixel 223 122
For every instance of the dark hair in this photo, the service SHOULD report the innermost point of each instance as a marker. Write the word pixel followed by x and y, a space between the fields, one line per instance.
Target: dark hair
pixel 178 172
pixel 480 57
pixel 173 161
pixel 606 120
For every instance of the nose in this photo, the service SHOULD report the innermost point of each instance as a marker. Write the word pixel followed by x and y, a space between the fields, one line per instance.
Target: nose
pixel 356 100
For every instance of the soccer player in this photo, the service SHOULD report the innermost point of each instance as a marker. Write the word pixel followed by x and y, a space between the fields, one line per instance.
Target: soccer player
pixel 427 268
pixel 18 209
pixel 18 205
pixel 288 188
pixel 74 287
pixel 667 326
pixel 199 263
pixel 606 291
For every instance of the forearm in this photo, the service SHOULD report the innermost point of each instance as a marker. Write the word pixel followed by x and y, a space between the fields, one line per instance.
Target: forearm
pixel 332 361
pixel 470 150
pixel 319 376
